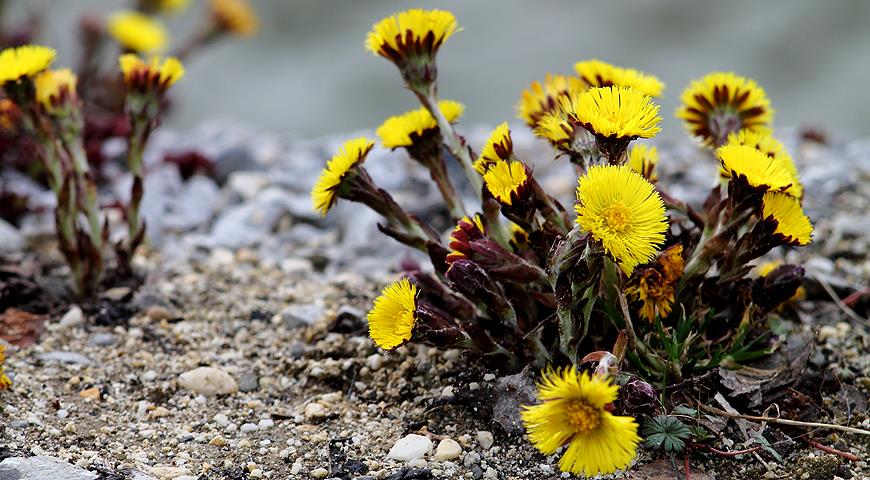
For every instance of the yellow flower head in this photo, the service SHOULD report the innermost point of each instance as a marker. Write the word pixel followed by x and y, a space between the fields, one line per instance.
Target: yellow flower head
pixel 791 223
pixel 402 130
pixel 466 230
pixel 235 16
pixel 774 150
pixel 25 61
pixel 351 154
pixel 145 76
pixel 498 147
pixel 54 85
pixel 721 103
pixel 655 287
pixel 574 410
pixel 506 181
pixel 540 99
pixel 747 164
pixel 618 113
pixel 172 5
pixel 643 159
pixel 596 73
pixel 414 33
pixel 138 32
pixel 391 320
pixel 622 210
pixel 4 380
pixel 554 128
pixel 519 237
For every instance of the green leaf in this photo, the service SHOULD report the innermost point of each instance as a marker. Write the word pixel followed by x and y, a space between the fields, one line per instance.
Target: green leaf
pixel 666 433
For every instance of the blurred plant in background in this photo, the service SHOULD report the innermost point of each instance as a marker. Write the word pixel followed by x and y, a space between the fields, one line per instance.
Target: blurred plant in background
pixel 63 117
pixel 638 290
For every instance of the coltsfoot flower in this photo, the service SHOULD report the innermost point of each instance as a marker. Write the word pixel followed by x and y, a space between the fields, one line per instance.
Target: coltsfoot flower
pixel 392 319
pixel 350 155
pixel 507 181
pixel 623 211
pixel 24 61
pixel 541 98
pixel 596 73
pixel 643 159
pixel 138 32
pixel 153 76
pixel 655 287
pixel 792 226
pixel 4 380
pixel 466 230
pixel 235 16
pixel 575 411
pixel 54 87
pixel 748 165
pixel 722 103
pixel 411 39
pixel 405 129
pixel 774 150
pixel 498 147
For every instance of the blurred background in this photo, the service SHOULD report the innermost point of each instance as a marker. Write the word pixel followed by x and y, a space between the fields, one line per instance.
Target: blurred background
pixel 306 72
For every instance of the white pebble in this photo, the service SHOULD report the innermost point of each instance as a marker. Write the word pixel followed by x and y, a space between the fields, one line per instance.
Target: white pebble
pixel 485 439
pixel 411 447
pixel 248 428
pixel 448 449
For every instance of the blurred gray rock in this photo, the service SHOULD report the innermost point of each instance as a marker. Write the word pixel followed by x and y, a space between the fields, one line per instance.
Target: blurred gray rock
pixel 42 468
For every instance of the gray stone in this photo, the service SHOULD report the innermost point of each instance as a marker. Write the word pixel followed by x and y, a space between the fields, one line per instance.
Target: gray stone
pixel 42 468
pixel 65 357
pixel 249 382
pixel 19 424
pixel 250 223
pixel 302 315
pixel 72 318
pixel 197 202
pixel 208 381
pixel 104 339
pixel 234 159
pixel 11 240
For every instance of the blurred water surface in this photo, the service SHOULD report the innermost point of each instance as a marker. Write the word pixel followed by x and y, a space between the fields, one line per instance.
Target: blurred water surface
pixel 306 73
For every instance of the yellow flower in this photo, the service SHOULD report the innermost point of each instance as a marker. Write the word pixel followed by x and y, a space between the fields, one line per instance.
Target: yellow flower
pixel 791 223
pixel 721 103
pixel 618 113
pixel 554 128
pixel 52 85
pixel 655 286
pixel 574 410
pixel 623 211
pixel 759 171
pixel 4 380
pixel 25 61
pixel 141 75
pixel 391 320
pixel 402 130
pixel 138 32
pixel 467 229
pixel 506 181
pixel 596 73
pixel 235 16
pixel 351 154
pixel 774 150
pixel 414 33
pixel 643 159
pixel 540 99
pixel 519 237
pixel 172 5
pixel 498 147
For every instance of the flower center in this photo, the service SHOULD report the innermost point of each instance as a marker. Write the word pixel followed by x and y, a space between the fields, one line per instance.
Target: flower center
pixel 617 218
pixel 582 416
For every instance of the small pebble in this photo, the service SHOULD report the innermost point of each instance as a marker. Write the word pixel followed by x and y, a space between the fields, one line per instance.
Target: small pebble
pixel 319 473
pixel 248 428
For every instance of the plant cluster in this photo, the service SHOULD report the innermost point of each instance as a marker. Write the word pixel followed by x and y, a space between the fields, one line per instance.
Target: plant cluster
pixel 629 287
pixel 54 121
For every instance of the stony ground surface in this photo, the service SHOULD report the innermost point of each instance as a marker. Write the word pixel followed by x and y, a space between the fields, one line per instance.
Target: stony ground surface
pixel 246 355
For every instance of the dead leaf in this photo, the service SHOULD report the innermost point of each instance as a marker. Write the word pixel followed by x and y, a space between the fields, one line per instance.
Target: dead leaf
pixel 19 327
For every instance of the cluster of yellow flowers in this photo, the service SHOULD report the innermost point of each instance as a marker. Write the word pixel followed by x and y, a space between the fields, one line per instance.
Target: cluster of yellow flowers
pixel 524 264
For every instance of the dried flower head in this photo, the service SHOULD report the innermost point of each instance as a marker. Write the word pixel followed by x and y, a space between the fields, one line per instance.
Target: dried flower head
pixel 25 61
pixel 721 103
pixel 792 226
pixel 622 210
pixel 138 32
pixel 748 165
pixel 655 287
pixel 411 39
pixel 498 147
pixel 542 98
pixel 466 230
pixel 55 86
pixel 9 115
pixel 392 319
pixel 4 380
pixel 507 181
pixel 617 113
pixel 351 154
pixel 643 159
pixel 575 410
pixel 596 73
pixel 235 16
pixel 403 130
pixel 774 150
pixel 153 76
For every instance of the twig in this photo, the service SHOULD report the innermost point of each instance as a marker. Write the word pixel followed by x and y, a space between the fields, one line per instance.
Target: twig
pixel 784 421
pixel 845 308
pixel 688 467
pixel 848 456
pixel 732 453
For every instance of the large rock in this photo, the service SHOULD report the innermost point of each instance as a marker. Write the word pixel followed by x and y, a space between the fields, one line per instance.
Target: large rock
pixel 411 447
pixel 41 468
pixel 208 381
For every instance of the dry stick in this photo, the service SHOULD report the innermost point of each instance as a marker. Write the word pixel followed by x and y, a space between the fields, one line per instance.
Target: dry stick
pixel 845 308
pixel 733 453
pixel 848 456
pixel 783 421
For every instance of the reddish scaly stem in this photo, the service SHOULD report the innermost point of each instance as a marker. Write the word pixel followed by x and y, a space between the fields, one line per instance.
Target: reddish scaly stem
pixel 848 456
